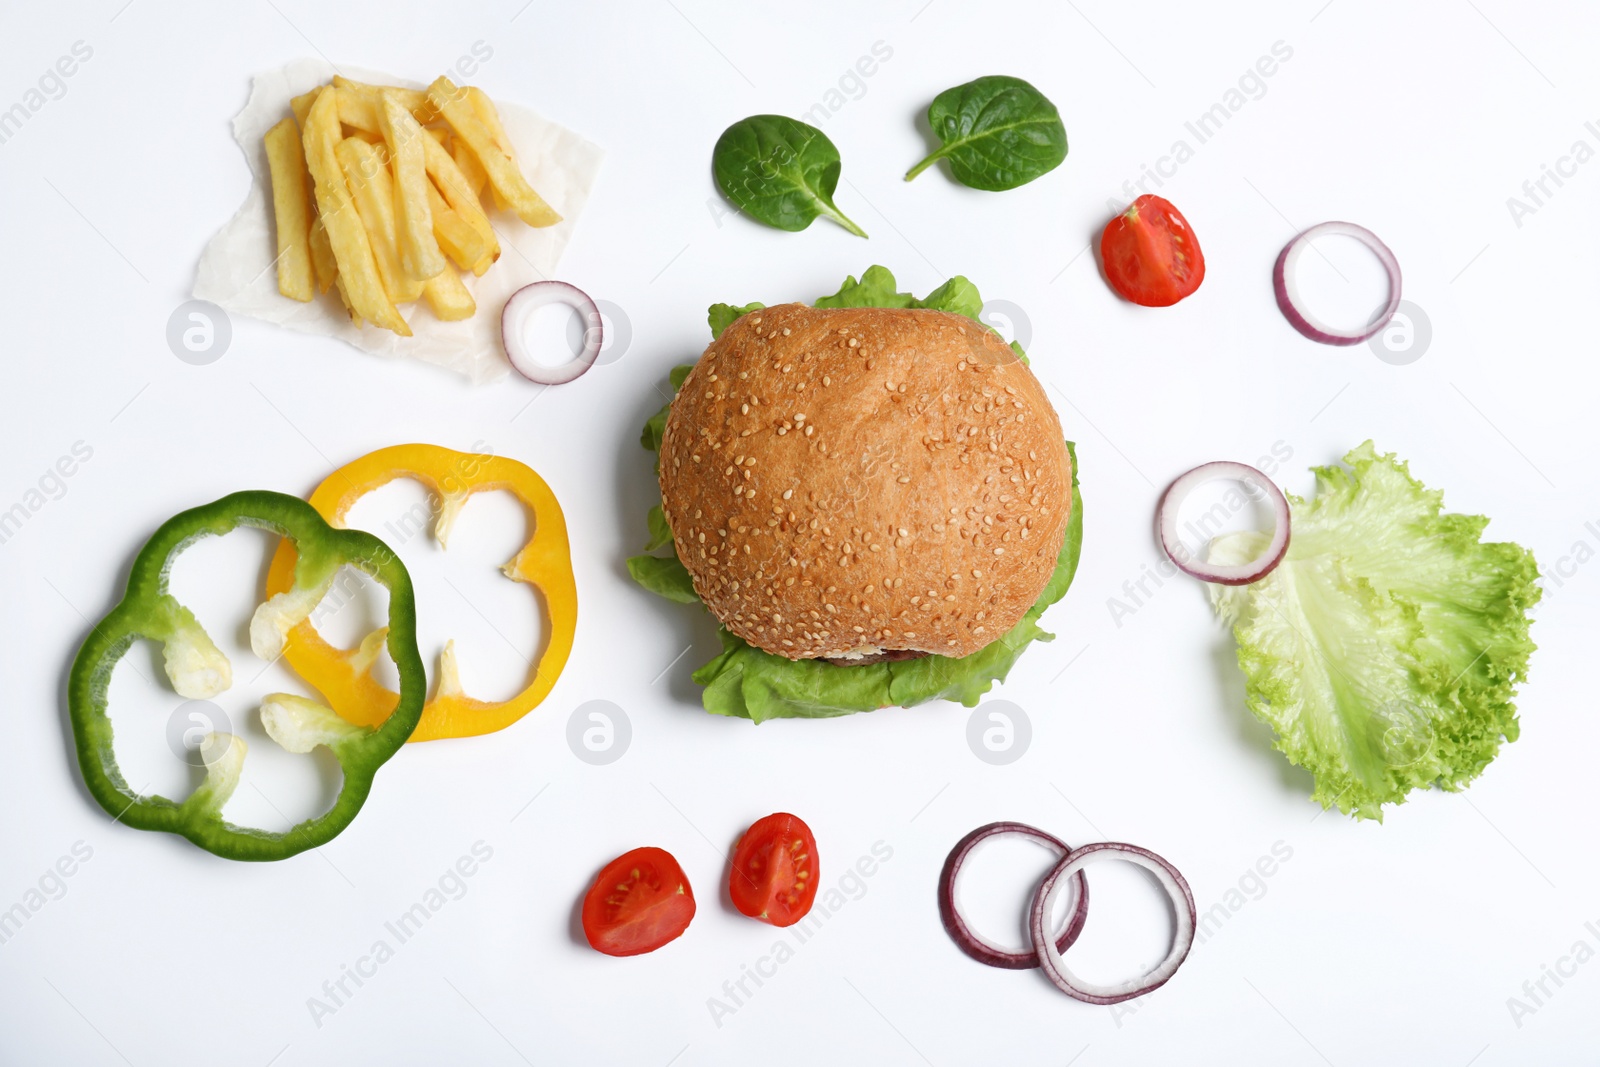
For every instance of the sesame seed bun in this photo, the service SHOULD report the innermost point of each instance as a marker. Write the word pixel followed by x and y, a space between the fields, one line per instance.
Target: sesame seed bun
pixel 844 482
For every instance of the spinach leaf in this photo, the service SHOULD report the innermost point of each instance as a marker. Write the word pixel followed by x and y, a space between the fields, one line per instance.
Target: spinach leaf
pixel 779 171
pixel 997 132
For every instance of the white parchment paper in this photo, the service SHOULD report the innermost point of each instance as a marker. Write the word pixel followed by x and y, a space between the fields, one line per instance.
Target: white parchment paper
pixel 237 273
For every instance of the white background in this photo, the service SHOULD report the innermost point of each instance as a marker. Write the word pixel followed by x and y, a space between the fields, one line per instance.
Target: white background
pixel 1393 943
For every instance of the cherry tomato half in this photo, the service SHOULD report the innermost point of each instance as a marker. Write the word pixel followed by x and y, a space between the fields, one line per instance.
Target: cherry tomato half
pixel 774 876
pixel 639 902
pixel 1151 255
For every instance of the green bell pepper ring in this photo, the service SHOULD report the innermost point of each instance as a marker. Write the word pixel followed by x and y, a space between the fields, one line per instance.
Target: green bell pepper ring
pixel 199 670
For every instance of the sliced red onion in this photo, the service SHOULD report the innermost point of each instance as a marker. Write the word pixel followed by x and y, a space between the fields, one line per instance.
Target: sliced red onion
pixel 1242 574
pixel 1283 284
pixel 513 331
pixel 1055 968
pixel 975 944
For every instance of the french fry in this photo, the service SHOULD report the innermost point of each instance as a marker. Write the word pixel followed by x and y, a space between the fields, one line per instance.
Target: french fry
pixel 489 115
pixel 359 111
pixel 291 209
pixel 414 100
pixel 301 105
pixel 448 297
pixel 322 260
pixel 419 250
pixel 469 166
pixel 463 201
pixel 456 237
pixel 502 172
pixel 344 298
pixel 373 191
pixel 358 279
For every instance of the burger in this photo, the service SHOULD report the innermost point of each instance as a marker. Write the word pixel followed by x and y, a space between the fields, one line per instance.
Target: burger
pixel 871 495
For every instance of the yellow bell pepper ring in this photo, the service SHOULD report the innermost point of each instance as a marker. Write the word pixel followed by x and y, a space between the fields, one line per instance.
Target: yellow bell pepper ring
pixel 344 676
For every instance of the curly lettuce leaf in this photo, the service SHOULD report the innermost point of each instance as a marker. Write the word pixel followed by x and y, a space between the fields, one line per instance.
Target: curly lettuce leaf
pixel 1385 650
pixel 745 682
pixel 664 576
pixel 720 317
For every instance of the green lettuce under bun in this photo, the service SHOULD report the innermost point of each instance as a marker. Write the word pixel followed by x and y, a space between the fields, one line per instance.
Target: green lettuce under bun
pixel 1385 649
pixel 746 682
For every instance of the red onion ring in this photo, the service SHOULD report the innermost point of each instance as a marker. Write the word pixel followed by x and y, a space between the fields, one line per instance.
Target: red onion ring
pixel 1241 574
pixel 513 327
pixel 975 944
pixel 1050 958
pixel 1283 285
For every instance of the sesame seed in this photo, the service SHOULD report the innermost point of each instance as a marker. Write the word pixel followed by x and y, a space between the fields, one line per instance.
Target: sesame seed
pixel 787 493
pixel 810 430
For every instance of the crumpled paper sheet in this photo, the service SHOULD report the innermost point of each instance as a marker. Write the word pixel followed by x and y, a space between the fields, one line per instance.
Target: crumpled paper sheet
pixel 237 270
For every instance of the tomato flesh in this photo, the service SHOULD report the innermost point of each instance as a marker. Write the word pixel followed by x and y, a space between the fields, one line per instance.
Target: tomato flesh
pixel 774 875
pixel 639 902
pixel 1151 254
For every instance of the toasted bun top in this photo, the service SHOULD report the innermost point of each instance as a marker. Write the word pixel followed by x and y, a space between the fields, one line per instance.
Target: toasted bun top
pixel 844 481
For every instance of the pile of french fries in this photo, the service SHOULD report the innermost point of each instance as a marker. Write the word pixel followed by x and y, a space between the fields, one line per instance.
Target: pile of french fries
pixel 377 192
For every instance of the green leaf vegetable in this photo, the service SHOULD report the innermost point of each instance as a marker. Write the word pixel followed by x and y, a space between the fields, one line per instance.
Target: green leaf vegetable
pixel 779 171
pixel 1385 648
pixel 996 132
pixel 748 683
